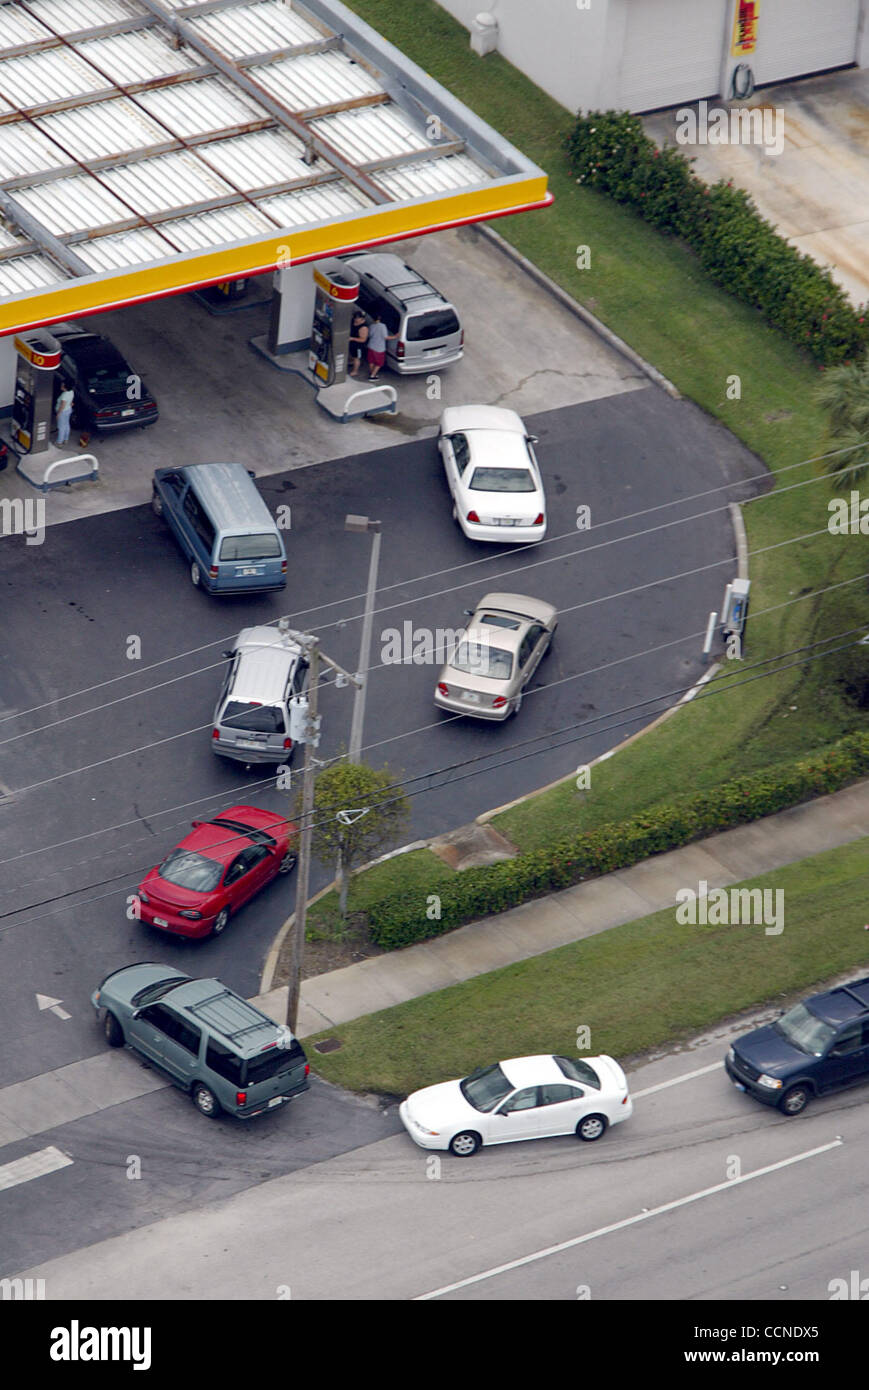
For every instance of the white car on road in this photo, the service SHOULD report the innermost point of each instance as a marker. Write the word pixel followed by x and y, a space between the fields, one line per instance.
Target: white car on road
pixel 492 474
pixel 524 1098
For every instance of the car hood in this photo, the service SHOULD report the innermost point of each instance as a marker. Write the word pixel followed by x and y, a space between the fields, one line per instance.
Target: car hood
pixel 441 1106
pixel 766 1049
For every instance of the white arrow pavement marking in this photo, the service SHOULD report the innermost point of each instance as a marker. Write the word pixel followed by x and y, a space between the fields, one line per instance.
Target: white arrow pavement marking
pixel 44 1001
pixel 629 1221
pixel 33 1166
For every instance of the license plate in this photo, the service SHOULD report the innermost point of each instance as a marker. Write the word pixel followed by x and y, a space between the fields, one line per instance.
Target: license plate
pixel 251 570
pixel 276 1100
pixel 128 412
pixel 160 922
pixel 249 743
pixel 471 696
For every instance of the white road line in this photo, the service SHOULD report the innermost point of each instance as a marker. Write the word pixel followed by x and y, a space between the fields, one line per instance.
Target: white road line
pixel 686 1076
pixel 629 1221
pixel 33 1166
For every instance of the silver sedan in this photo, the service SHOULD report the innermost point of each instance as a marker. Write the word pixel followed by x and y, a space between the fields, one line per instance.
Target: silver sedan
pixel 495 656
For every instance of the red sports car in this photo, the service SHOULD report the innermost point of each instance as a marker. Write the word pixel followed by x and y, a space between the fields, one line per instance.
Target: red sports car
pixel 217 868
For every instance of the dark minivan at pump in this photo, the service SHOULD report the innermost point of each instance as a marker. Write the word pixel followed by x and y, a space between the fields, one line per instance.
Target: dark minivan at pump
pixel 818 1046
pixel 223 526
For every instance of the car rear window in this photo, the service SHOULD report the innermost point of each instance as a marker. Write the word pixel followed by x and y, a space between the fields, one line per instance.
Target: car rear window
pixel 188 870
pixel 260 547
pixel 272 1063
pixel 502 480
pixel 479 659
pixel 577 1070
pixel 436 323
pixel 257 719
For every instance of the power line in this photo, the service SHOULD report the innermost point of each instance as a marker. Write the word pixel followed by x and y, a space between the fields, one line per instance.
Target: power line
pixel 708 691
pixel 469 564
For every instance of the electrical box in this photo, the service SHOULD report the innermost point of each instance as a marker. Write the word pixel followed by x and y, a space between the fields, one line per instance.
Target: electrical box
pixel 734 609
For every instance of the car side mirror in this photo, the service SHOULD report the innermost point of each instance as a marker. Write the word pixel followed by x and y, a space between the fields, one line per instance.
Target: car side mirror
pixel 468 612
pixel 532 439
pixel 195 824
pixel 229 655
pixel 250 473
pixel 136 1014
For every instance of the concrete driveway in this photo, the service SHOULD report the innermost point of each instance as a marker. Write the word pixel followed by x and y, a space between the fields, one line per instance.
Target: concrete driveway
pixel 816 191
pixel 218 399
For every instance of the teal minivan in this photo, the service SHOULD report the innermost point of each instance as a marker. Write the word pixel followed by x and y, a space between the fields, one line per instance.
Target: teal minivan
pixel 223 527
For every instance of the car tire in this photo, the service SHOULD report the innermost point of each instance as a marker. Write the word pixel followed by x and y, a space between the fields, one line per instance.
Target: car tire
pixel 112 1031
pixel 465 1144
pixel 206 1101
pixel 220 921
pixel 517 705
pixel 288 863
pixel 795 1100
pixel 591 1127
pixel 156 503
pixel 195 575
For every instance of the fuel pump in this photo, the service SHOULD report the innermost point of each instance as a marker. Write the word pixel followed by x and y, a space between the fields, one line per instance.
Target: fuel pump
pixel 336 291
pixel 38 358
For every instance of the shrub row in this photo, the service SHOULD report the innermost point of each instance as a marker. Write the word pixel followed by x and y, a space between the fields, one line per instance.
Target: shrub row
pixel 403 918
pixel 739 249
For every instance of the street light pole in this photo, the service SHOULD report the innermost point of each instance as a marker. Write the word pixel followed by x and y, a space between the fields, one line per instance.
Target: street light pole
pixel 364 524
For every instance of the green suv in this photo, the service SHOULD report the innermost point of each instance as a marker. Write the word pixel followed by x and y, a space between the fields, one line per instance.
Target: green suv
pixel 209 1041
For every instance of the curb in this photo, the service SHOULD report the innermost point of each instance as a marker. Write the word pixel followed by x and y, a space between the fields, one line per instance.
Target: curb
pixel 578 310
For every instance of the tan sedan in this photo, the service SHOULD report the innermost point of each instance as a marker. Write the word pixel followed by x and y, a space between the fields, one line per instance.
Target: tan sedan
pixel 495 656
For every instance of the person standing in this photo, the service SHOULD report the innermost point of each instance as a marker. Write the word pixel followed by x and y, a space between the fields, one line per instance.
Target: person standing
pixel 377 340
pixel 63 412
pixel 358 339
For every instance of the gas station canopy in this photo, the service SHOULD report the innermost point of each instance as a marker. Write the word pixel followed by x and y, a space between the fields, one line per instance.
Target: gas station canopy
pixel 149 147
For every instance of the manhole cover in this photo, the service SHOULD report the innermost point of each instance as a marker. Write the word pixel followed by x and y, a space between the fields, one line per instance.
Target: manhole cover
pixel 328 1045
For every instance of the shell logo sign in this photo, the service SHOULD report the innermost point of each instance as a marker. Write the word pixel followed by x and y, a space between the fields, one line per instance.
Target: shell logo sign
pixel 745 28
pixel 45 361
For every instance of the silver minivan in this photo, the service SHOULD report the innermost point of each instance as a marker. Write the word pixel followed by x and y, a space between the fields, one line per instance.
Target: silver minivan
pixel 430 334
pixel 267 670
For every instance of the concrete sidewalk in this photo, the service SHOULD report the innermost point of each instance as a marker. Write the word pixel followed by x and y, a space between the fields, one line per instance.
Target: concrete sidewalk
pixel 535 927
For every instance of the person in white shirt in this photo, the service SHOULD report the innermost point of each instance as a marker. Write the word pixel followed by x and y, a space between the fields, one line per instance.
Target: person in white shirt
pixel 63 413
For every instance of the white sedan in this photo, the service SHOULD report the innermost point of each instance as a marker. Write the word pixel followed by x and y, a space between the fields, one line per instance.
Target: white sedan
pixel 492 474
pixel 525 1098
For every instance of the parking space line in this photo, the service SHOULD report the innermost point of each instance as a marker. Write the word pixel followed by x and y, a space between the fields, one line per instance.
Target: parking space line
pixel 628 1221
pixel 686 1076
pixel 32 1166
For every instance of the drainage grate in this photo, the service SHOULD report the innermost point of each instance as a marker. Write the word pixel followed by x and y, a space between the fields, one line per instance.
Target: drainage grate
pixel 328 1045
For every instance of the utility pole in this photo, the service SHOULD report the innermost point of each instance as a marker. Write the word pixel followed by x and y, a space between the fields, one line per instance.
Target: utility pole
pixel 312 738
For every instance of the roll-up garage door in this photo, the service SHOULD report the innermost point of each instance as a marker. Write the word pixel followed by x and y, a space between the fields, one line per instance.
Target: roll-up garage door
pixel 673 51
pixel 797 36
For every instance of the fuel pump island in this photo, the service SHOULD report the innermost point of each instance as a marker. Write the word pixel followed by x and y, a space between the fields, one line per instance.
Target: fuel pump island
pixel 309 334
pixel 41 463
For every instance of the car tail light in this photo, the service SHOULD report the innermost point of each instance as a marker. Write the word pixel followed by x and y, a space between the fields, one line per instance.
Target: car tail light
pixel 213 572
pixel 215 733
pixel 472 516
pixel 241 1097
pixel 288 743
pixel 191 913
pixel 283 566
pixel 307 1068
pixel 443 689
pixel 625 1099
pixel 538 520
pixel 399 351
pixel 499 702
pixel 106 414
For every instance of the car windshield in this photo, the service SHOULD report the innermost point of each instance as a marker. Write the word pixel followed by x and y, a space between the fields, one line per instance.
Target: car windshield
pixel 261 547
pixel 502 480
pixel 437 323
pixel 258 719
pixel 481 659
pixel 805 1030
pixel 485 1088
pixel 155 991
pixel 575 1069
pixel 193 871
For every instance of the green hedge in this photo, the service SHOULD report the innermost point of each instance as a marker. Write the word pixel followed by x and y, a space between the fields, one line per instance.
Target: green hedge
pixel 740 250
pixel 403 918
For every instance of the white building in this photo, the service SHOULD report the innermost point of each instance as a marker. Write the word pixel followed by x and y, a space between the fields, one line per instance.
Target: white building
pixel 639 55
